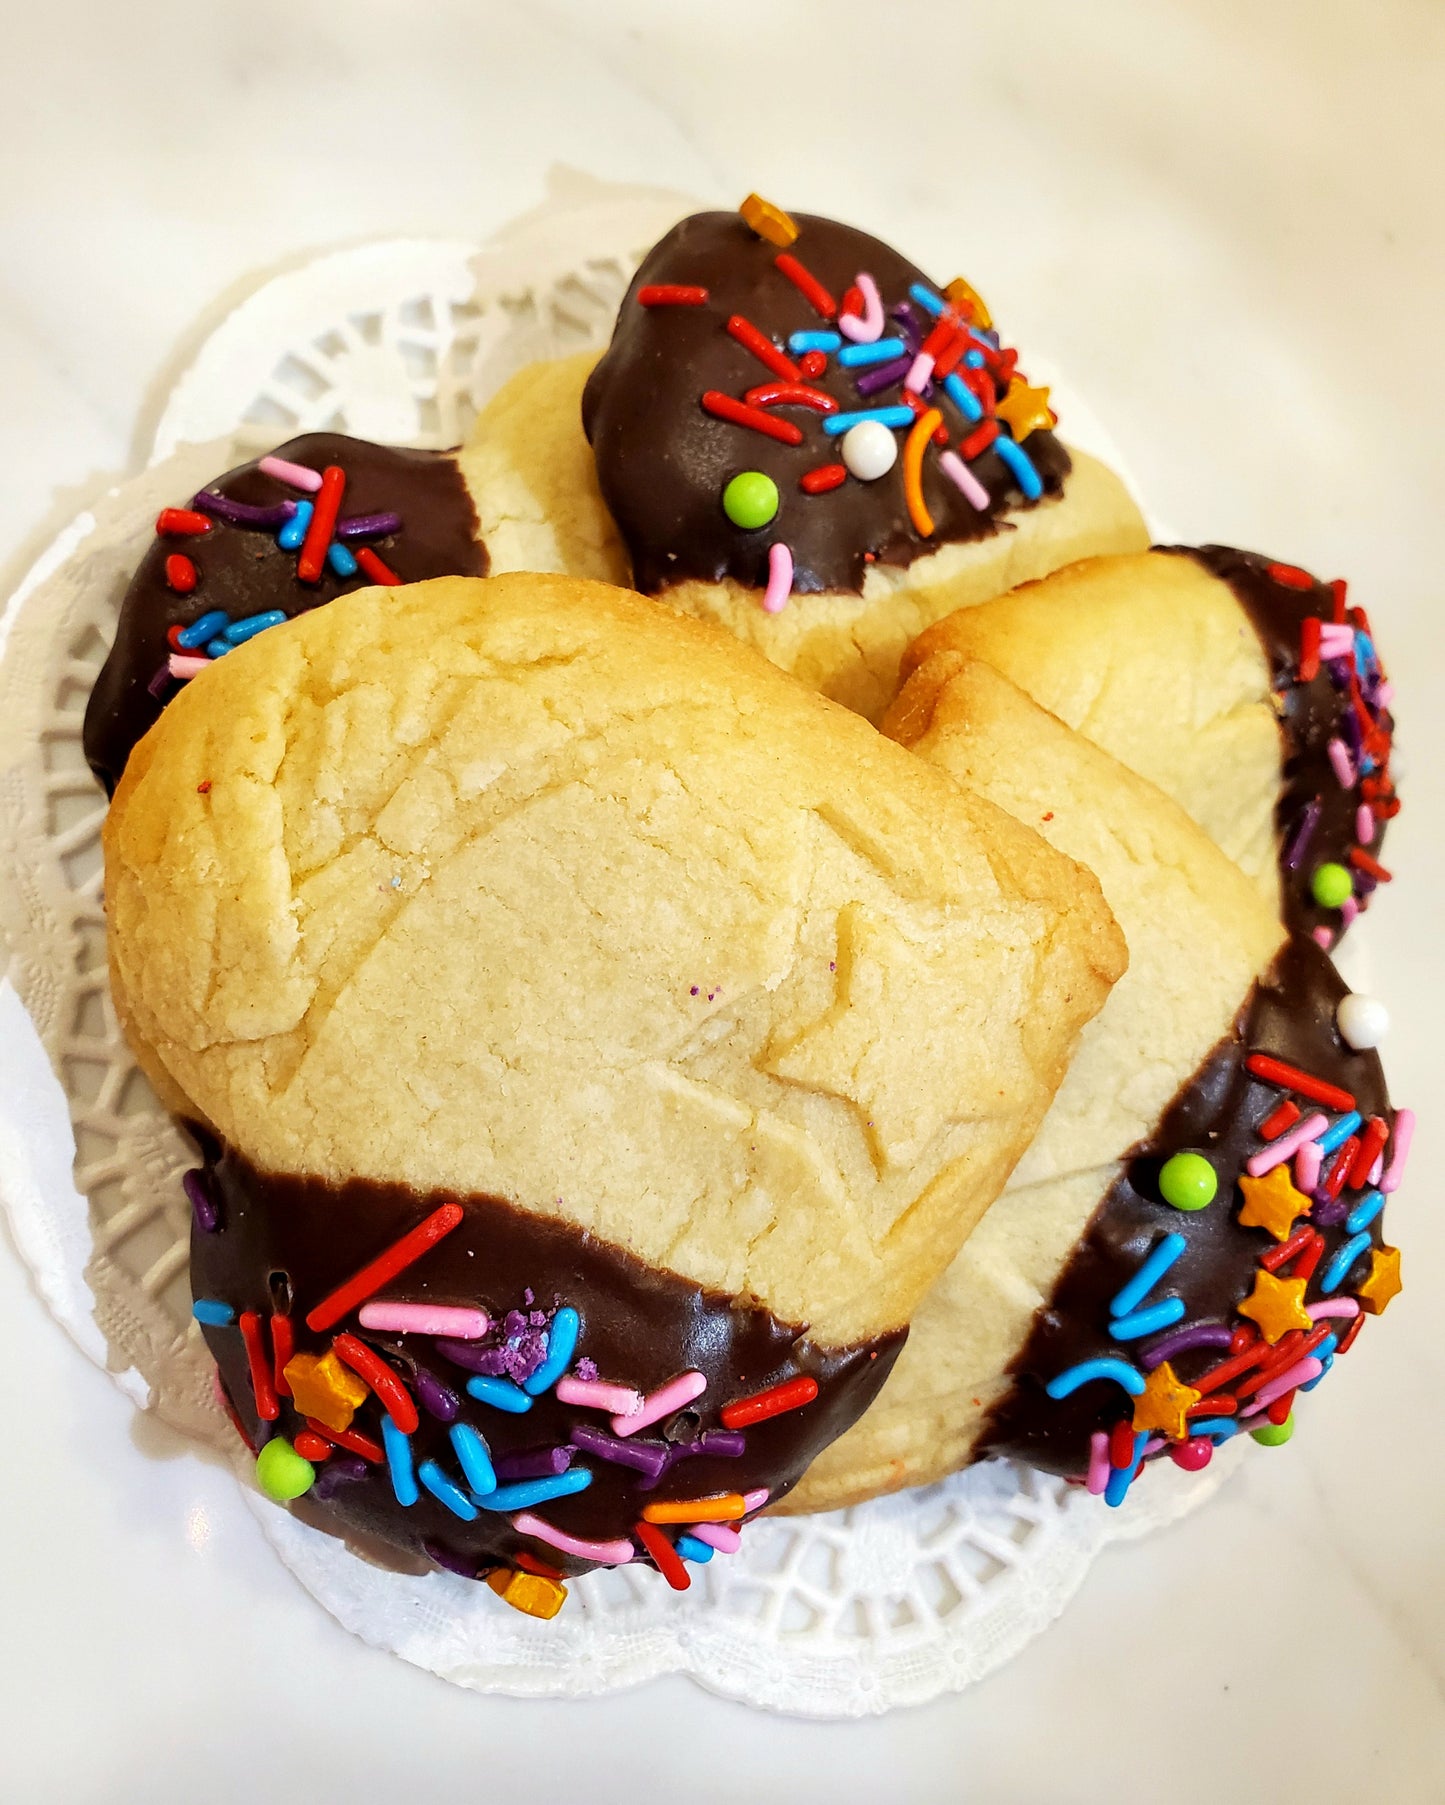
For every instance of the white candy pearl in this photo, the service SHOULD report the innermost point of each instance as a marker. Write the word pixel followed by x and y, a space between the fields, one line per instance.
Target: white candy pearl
pixel 869 450
pixel 1363 1021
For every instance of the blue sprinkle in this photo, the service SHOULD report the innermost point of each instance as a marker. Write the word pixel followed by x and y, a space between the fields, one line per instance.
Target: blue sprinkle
pixel 930 302
pixel 1339 1132
pixel 537 1491
pixel 693 1550
pixel 340 560
pixel 1147 1321
pixel 1325 1366
pixel 1156 1263
pixel 833 424
pixel 799 342
pixel 1324 1353
pixel 293 534
pixel 963 397
pixel 881 351
pixel 1075 1376
pixel 213 1314
pixel 1343 1260
pixel 1121 1478
pixel 500 1393
pixel 561 1345
pixel 398 1460
pixel 218 648
pixel 475 1460
pixel 192 638
pixel 443 1490
pixel 1018 462
pixel 974 359
pixel 1364 1212
pixel 1221 1427
pixel 241 630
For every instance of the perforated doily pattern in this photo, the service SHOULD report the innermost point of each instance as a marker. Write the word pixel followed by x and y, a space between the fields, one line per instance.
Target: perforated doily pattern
pixel 846 1614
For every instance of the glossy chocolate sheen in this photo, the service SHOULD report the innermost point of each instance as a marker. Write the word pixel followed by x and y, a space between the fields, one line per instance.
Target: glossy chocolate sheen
pixel 1310 715
pixel 1290 1014
pixel 641 1326
pixel 244 572
pixel 663 463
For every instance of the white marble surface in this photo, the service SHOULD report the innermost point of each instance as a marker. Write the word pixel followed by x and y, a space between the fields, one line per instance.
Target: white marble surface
pixel 1225 220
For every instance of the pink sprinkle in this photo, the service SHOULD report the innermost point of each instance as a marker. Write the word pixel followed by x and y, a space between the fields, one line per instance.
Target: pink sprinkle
pixel 1322 937
pixel 1404 1134
pixel 1299 1374
pixel 1098 1462
pixel 964 479
pixel 1365 824
pixel 721 1536
pixel 1372 1177
pixel 595 1394
pixel 185 668
pixel 456 1323
pixel 1336 639
pixel 297 475
pixel 661 1403
pixel 1349 909
pixel 780 578
pixel 1307 1163
pixel 1385 694
pixel 1332 1306
pixel 866 327
pixel 1152 1446
pixel 756 1500
pixel 1341 763
pixel 918 375
pixel 608 1554
pixel 1279 1151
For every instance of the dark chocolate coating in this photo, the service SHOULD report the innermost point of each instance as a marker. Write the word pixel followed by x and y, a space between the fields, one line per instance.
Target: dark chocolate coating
pixel 244 572
pixel 1310 715
pixel 1290 1014
pixel 641 1326
pixel 663 463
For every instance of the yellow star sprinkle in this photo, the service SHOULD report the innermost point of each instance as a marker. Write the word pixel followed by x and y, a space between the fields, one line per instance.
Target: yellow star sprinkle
pixel 768 221
pixel 322 1387
pixel 1272 1202
pixel 1163 1405
pixel 532 1593
pixel 966 297
pixel 1023 410
pixel 1277 1305
pixel 1384 1280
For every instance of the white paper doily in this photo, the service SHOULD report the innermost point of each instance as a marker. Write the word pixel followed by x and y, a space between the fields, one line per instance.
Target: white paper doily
pixel 852 1613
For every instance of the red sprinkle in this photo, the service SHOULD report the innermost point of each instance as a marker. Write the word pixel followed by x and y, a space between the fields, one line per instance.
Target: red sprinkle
pixel 1347 1340
pixel 1338 591
pixel 1242 1338
pixel 671 294
pixel 385 1266
pixel 1339 1171
pixel 1295 1346
pixel 351 1439
pixel 974 444
pixel 283 1346
pixel 727 407
pixel 375 568
pixel 766 352
pixel 1290 1077
pixel 853 302
pixel 311 1446
pixel 177 523
pixel 530 1564
pixel 777 1399
pixel 323 523
pixel 948 358
pixel 1220 1406
pixel 1372 1145
pixel 173 637
pixel 939 435
pixel 812 364
pixel 181 574
pixel 1286 1251
pixel 669 1561
pixel 818 481
pixel 1279 1410
pixel 790 394
pixel 396 1400
pixel 1362 861
pixel 1290 576
pixel 1231 1368
pixel 1121 1444
pixel 808 285
pixel 1274 1124
pixel 938 339
pixel 266 1406
pixel 1309 648
pixel 1310 1258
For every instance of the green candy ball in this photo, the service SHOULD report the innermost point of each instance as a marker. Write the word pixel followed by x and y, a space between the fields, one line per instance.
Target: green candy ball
pixel 1331 885
pixel 281 1473
pixel 1274 1435
pixel 1188 1181
pixel 750 499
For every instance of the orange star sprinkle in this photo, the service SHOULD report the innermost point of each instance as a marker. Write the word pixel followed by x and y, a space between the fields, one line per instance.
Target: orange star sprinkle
pixel 323 1388
pixel 1025 410
pixel 1277 1305
pixel 1384 1281
pixel 768 221
pixel 967 298
pixel 1272 1202
pixel 1163 1406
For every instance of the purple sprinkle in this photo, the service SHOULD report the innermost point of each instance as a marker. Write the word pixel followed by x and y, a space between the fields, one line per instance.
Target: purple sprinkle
pixel 472 1357
pixel 538 1319
pixel 1349 726
pixel 203 1208
pixel 728 1443
pixel 646 1457
pixel 586 1370
pixel 1365 885
pixel 366 526
pixel 158 683
pixel 1303 833
pixel 1199 1334
pixel 436 1399
pixel 240 513
pixel 515 1322
pixel 529 1297
pixel 447 1561
pixel 1329 1213
pixel 883 376
pixel 336 1473
pixel 1340 670
pixel 534 1463
pixel 908 326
